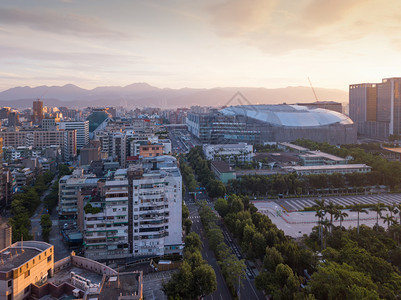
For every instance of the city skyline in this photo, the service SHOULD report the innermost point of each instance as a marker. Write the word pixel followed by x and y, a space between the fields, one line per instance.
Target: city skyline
pixel 204 44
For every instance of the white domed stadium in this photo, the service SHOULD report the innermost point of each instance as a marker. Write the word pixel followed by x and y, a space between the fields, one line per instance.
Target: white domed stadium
pixel 274 123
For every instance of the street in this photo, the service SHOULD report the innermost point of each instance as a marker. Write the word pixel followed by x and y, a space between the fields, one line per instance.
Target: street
pixel 222 291
pixel 60 249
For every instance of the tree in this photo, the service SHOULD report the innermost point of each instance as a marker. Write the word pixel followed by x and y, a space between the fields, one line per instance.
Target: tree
pixel 46 224
pixel 282 283
pixel 205 281
pixel 357 207
pixel 217 188
pixel 193 242
pixel 389 220
pixel 378 208
pixel 233 269
pixel 215 237
pixel 332 209
pixel 221 207
pixel 272 259
pixel 335 281
pixel 340 215
pixel 187 225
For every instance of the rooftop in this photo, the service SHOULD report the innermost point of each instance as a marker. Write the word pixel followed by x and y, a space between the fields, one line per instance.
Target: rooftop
pixel 221 166
pixel 13 257
pixel 288 115
pixel 125 284
pixel 323 154
pixel 328 167
pixel 65 276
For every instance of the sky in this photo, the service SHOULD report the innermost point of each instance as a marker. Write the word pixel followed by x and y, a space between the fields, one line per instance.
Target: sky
pixel 199 44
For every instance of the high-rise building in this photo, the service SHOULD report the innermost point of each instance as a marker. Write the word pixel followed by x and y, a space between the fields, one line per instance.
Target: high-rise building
pixel 137 213
pixel 13 119
pixel 376 107
pixel 82 129
pixel 37 111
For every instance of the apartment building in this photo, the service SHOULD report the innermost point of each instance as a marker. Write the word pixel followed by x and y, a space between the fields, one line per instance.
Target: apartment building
pixel 66 139
pixel 23 264
pixel 137 213
pixel 82 129
pixel 69 186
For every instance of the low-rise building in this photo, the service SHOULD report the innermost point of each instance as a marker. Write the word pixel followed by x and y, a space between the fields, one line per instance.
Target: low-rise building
pixel 231 153
pixel 329 169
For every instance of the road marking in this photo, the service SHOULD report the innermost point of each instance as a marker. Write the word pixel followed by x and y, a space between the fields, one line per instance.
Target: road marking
pixel 252 288
pixel 221 297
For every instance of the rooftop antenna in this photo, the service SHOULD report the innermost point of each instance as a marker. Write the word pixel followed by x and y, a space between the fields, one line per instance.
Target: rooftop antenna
pixel 22 243
pixel 314 93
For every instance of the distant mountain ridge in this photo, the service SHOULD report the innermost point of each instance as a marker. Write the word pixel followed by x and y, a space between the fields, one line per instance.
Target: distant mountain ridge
pixel 145 95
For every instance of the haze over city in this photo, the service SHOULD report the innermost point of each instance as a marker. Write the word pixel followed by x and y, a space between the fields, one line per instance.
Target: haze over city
pixel 216 149
pixel 198 44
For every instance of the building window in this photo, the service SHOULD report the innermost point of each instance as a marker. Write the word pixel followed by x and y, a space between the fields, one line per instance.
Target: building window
pixel 49 259
pixel 27 273
pixel 9 283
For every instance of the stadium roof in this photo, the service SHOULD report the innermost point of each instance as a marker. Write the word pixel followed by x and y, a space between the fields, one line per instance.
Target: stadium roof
pixel 288 115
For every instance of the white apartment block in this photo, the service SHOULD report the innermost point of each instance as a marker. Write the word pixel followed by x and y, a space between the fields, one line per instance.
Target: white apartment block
pixel 82 129
pixel 69 186
pixel 228 152
pixel 139 213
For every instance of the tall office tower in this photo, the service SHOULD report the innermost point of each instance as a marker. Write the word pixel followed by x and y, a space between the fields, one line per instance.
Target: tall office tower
pixel 37 111
pixel 13 119
pixel 82 129
pixel 376 108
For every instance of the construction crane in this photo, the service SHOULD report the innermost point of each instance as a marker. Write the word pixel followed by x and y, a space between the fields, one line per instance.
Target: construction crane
pixel 314 93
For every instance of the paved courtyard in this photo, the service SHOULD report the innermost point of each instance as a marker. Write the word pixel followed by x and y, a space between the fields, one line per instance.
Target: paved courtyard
pixel 297 223
pixel 152 284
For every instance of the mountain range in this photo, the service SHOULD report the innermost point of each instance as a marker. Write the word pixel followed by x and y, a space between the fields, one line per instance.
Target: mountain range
pixel 145 95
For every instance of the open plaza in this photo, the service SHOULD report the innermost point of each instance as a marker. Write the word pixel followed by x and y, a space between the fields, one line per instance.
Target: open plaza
pixel 287 214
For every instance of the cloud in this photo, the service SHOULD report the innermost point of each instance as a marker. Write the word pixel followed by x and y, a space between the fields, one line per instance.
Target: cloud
pixel 57 23
pixel 238 17
pixel 283 26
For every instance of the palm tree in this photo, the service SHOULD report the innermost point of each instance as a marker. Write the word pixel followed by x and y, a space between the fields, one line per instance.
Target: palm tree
pixel 378 208
pixel 340 215
pixel 389 220
pixel 359 209
pixel 331 208
pixel 326 226
pixel 399 211
pixel 320 212
pixel 393 209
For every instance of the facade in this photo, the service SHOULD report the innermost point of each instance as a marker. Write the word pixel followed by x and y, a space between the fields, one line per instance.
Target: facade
pixel 24 264
pixel 329 169
pixel 228 152
pixel 37 111
pixel 5 234
pixel 258 124
pixel 376 107
pixel 82 129
pixel 317 158
pixel 137 213
pixel 69 186
pixel 151 150
pixel 39 139
pixel 90 153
